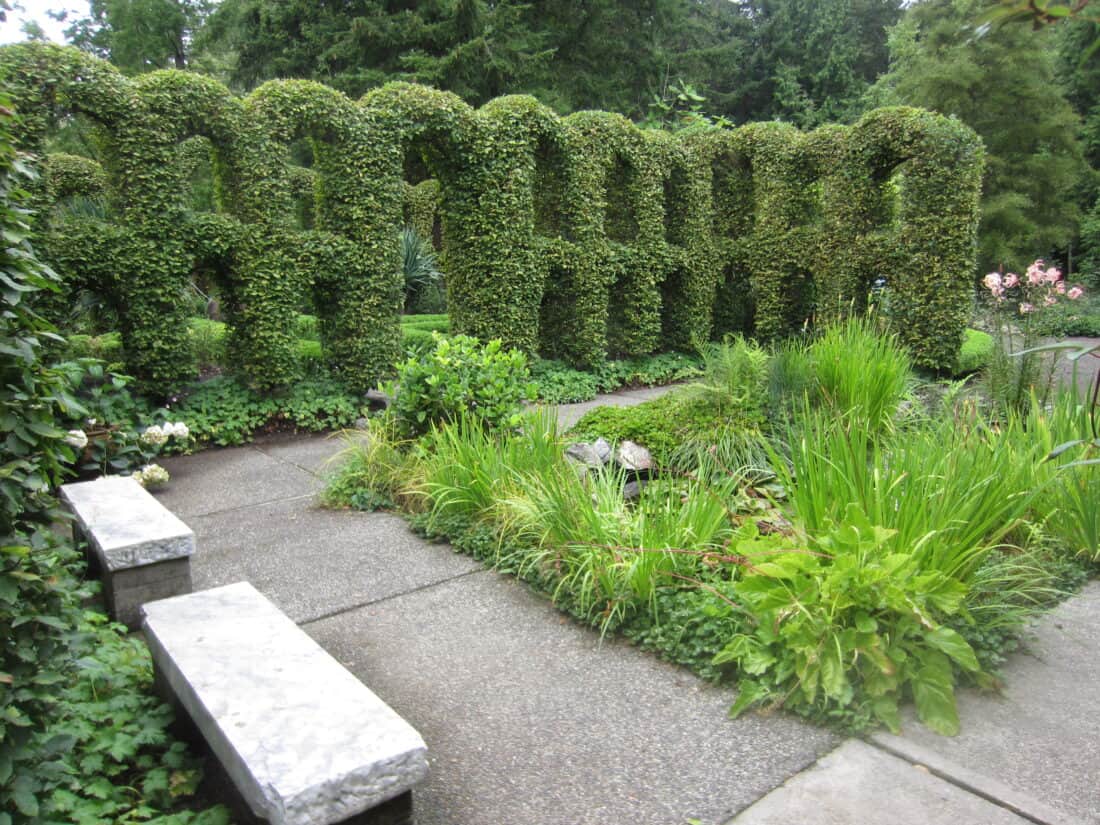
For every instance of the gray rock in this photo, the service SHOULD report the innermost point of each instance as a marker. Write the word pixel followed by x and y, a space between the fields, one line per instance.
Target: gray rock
pixel 603 449
pixel 377 400
pixel 585 454
pixel 633 489
pixel 361 424
pixel 633 457
pixel 304 741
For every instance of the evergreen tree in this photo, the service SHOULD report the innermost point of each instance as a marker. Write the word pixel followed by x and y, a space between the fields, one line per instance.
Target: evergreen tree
pixel 1003 86
pixel 139 35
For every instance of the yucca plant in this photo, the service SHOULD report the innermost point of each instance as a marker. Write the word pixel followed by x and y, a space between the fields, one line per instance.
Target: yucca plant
pixel 419 266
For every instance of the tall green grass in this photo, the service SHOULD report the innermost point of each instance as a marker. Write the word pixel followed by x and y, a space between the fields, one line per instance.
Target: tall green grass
pixel 467 470
pixel 861 371
pixel 611 555
pixel 951 490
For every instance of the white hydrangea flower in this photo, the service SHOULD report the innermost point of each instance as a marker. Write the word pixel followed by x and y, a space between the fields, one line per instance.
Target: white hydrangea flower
pixel 76 438
pixel 178 429
pixel 153 436
pixel 152 475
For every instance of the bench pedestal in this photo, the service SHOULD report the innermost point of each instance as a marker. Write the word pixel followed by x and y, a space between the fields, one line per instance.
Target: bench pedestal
pixel 141 550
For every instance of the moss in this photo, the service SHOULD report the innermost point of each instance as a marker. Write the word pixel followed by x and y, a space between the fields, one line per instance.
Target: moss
pixel 661 425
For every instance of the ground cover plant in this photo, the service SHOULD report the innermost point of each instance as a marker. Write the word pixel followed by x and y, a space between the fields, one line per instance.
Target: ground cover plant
pixel 82 739
pixel 813 529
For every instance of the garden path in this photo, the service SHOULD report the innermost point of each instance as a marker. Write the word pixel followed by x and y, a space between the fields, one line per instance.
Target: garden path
pixel 530 718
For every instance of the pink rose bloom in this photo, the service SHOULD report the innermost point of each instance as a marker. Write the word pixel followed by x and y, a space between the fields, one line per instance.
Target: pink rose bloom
pixel 992 282
pixel 1060 287
pixel 1075 293
pixel 1052 275
pixel 1035 273
pixel 1011 280
pixel 1049 301
pixel 1025 308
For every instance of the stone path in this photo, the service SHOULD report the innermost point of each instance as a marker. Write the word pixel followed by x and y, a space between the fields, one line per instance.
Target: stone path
pixel 531 719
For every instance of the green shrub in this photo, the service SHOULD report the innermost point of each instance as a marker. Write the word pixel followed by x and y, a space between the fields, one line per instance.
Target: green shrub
pixel 976 352
pixel 82 738
pixel 106 347
pixel 306 327
pixel 207 339
pixel 460 376
pixel 1069 320
pixel 582 236
pixel 107 754
pixel 662 425
pixel 851 628
pixel 558 383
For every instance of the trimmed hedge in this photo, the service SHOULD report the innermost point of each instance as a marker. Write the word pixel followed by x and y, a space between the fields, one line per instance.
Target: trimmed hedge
pixel 577 237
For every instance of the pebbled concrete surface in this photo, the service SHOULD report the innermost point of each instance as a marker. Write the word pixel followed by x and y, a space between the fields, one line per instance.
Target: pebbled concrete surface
pixel 570 414
pixel 858 783
pixel 227 479
pixel 1041 737
pixel 314 562
pixel 529 719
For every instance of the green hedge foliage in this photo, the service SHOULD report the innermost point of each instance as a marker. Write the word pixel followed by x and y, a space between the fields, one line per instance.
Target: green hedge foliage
pixel 580 238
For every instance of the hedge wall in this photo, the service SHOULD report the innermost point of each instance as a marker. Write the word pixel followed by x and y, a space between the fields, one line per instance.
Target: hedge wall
pixel 578 237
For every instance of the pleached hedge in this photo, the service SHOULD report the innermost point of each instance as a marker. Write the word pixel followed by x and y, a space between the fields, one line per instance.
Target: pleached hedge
pixel 576 237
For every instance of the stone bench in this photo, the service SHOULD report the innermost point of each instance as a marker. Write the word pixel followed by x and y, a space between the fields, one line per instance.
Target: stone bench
pixel 303 741
pixel 142 550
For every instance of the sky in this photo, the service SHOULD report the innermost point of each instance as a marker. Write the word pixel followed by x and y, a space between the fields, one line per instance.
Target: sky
pixel 11 31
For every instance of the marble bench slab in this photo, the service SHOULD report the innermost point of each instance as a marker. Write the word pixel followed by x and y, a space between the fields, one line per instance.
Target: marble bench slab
pixel 303 740
pixel 141 548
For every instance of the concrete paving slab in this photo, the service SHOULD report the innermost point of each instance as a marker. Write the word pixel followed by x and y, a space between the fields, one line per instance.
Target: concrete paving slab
pixel 314 562
pixel 216 480
pixel 529 719
pixel 1041 738
pixel 312 453
pixel 858 783
pixel 570 414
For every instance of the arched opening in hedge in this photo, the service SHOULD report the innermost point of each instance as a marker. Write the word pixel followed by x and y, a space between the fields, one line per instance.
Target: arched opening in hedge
pixel 732 224
pixel 561 313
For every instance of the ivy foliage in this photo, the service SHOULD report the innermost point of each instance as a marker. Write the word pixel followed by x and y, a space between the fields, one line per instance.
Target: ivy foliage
pixel 81 737
pixel 580 238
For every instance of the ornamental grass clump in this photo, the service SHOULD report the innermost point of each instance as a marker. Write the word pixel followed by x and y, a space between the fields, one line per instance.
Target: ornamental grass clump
pixel 609 556
pixel 860 370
